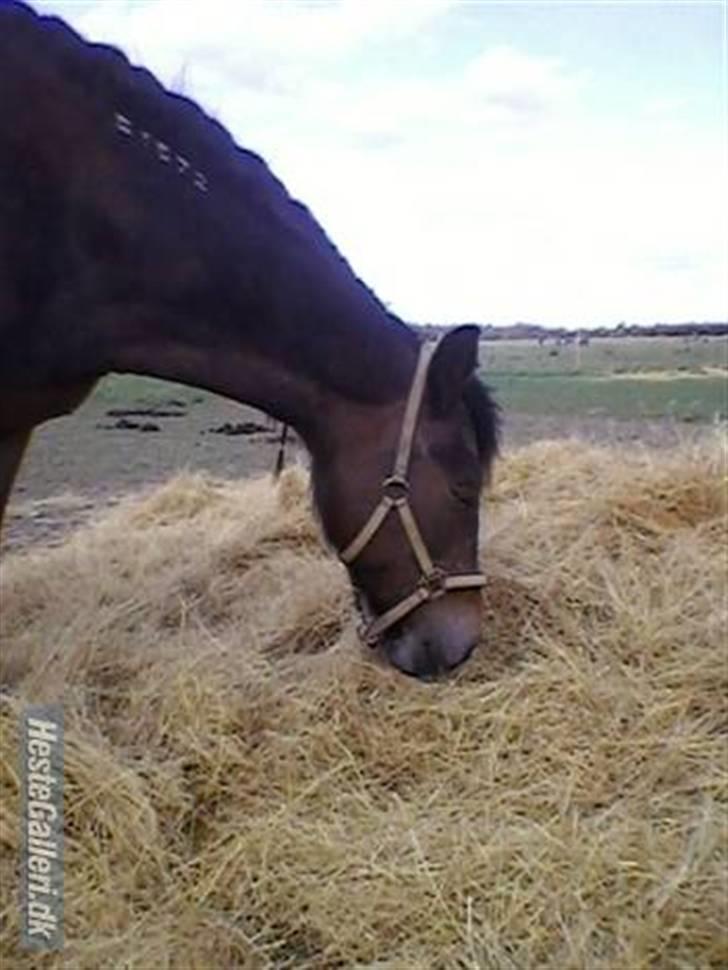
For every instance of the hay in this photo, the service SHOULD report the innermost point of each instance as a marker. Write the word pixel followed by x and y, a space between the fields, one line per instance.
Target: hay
pixel 246 787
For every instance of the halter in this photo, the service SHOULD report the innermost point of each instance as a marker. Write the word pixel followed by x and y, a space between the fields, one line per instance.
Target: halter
pixel 434 582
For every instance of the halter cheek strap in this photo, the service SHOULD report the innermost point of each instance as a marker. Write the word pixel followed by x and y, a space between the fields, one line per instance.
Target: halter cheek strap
pixel 434 581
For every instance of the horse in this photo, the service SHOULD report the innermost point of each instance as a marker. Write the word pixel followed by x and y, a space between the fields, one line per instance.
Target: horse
pixel 137 237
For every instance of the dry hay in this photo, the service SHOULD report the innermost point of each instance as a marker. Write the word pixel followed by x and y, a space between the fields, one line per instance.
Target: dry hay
pixel 246 787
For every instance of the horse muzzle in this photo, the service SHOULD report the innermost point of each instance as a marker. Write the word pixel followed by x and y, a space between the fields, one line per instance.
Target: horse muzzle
pixel 437 638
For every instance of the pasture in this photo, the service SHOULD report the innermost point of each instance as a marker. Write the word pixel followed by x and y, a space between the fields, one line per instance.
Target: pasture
pixel 659 391
pixel 619 377
pixel 247 787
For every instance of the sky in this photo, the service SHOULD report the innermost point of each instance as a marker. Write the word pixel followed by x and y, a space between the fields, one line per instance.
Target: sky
pixel 556 163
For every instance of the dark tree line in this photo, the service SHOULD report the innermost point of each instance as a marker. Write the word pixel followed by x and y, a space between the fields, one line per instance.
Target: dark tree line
pixel 565 335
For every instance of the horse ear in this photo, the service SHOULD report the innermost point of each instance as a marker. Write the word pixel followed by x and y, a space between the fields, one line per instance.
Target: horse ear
pixel 453 362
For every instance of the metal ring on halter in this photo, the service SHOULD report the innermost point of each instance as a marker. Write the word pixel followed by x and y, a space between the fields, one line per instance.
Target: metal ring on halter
pixel 395 488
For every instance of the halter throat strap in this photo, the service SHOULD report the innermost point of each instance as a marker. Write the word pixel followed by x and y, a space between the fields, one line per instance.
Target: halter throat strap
pixel 434 581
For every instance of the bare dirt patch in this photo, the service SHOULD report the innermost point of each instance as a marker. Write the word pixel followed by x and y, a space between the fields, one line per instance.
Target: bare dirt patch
pixel 85 462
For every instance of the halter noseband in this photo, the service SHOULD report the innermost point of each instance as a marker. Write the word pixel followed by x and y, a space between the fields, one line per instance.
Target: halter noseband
pixel 434 581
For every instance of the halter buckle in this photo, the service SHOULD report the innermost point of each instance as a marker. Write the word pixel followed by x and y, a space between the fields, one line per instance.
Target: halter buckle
pixel 434 583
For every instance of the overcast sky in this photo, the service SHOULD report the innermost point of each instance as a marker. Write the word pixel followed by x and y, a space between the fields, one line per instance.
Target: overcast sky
pixel 560 163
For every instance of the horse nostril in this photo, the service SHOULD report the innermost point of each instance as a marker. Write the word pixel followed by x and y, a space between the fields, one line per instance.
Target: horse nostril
pixel 428 657
pixel 423 665
pixel 429 663
pixel 434 661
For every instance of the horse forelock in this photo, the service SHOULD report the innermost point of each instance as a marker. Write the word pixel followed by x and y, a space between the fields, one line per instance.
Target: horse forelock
pixel 484 416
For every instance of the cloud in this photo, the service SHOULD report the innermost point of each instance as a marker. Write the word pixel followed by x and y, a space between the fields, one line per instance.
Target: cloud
pixel 296 58
pixel 166 33
pixel 491 186
pixel 497 89
pixel 520 83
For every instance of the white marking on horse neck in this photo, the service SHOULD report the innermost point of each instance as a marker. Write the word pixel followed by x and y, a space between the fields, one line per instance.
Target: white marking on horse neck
pixel 163 152
pixel 123 124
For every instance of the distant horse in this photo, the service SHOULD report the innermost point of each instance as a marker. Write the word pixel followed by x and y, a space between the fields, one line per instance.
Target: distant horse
pixel 136 237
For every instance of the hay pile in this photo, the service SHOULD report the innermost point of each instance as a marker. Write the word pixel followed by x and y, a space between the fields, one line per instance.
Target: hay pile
pixel 246 787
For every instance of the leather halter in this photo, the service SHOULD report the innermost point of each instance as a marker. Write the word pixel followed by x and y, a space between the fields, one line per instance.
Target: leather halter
pixel 434 581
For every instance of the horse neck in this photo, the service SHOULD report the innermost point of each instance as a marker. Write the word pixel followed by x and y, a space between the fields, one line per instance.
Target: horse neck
pixel 346 359
pixel 241 291
pixel 314 321
pixel 335 377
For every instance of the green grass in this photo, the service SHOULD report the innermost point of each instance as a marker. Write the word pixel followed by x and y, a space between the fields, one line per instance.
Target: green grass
pixel 687 399
pixel 611 378
pixel 126 389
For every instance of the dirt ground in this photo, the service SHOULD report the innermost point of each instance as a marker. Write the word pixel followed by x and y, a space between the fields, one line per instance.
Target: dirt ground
pixel 85 462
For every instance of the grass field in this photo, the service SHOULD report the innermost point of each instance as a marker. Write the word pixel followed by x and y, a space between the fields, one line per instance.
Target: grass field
pixel 612 377
pixel 247 787
pixel 130 389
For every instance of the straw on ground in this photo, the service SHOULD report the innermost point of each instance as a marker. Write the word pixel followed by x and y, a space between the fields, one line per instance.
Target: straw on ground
pixel 247 787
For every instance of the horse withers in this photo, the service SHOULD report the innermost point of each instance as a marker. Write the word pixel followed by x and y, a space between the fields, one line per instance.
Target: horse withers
pixel 136 237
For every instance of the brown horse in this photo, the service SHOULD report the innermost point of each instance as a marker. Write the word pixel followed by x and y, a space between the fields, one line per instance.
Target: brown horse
pixel 136 237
